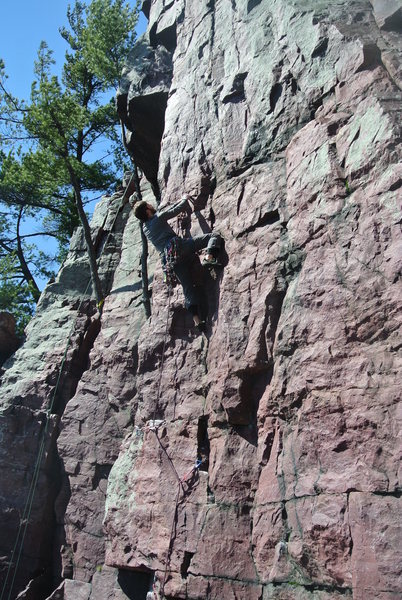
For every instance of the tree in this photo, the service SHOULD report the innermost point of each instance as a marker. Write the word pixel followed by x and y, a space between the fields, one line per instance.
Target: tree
pixel 55 173
pixel 19 265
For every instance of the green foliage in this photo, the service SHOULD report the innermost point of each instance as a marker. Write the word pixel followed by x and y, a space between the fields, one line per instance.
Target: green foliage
pixel 16 295
pixel 35 183
pixel 17 299
pixel 108 37
pixel 11 111
pixel 48 169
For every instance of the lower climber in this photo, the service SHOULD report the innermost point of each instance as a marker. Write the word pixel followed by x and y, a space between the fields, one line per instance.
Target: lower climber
pixel 176 252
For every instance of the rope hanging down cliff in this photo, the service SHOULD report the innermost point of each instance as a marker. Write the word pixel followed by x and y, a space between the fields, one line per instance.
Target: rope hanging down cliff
pixel 189 477
pixel 24 520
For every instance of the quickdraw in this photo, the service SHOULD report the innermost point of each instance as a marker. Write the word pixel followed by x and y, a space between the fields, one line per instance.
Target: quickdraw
pixel 169 258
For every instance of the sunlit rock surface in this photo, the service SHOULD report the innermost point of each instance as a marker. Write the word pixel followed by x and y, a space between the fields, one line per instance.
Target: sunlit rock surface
pixel 261 461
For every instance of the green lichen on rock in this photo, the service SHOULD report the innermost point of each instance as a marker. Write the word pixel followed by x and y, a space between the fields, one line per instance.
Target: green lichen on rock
pixel 119 489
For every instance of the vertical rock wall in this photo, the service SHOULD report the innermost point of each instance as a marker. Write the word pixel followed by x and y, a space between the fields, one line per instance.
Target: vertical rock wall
pixel 283 118
pixel 259 461
pixel 66 403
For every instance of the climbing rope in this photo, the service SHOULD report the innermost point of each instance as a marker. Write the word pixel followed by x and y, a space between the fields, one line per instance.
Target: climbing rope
pixel 180 480
pixel 180 489
pixel 25 519
pixel 154 427
pixel 170 546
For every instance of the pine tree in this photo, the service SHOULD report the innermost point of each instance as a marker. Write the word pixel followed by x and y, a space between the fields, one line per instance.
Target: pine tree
pixel 47 164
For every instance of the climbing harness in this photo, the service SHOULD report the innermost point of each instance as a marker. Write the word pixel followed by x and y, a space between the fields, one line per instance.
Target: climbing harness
pixel 169 258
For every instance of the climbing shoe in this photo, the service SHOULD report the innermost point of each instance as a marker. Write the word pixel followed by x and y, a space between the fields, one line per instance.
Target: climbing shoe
pixel 212 262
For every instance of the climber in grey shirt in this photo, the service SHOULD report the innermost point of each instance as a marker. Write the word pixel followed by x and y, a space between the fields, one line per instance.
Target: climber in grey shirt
pixel 161 235
pixel 156 227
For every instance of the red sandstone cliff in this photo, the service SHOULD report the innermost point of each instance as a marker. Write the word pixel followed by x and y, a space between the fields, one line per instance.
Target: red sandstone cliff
pixel 283 118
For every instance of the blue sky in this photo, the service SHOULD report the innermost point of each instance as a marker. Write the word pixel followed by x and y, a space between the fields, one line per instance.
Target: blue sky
pixel 23 25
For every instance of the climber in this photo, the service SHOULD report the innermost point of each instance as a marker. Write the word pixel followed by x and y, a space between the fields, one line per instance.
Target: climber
pixel 177 253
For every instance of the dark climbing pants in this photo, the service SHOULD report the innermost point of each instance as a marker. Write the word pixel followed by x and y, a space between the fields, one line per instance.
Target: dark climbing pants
pixel 183 269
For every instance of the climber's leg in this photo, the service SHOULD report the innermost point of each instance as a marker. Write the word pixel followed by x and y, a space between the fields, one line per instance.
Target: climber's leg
pixel 190 291
pixel 211 241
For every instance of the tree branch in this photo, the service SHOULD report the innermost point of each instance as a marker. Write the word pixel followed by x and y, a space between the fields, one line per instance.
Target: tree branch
pixel 13 198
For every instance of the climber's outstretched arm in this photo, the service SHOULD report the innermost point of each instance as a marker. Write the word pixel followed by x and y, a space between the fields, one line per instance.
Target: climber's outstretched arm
pixel 175 209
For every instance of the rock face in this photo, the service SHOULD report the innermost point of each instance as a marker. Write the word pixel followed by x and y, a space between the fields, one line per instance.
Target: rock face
pixel 260 461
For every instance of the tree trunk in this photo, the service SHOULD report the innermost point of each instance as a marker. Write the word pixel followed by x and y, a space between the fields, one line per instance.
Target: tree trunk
pixel 24 265
pixel 93 266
